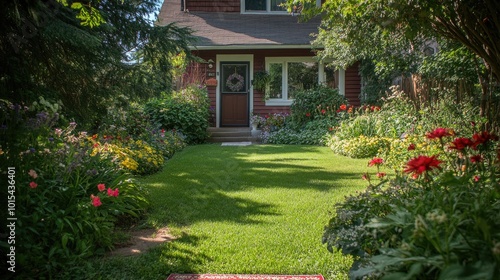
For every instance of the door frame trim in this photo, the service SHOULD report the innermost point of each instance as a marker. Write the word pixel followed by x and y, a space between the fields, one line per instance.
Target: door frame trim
pixel 236 58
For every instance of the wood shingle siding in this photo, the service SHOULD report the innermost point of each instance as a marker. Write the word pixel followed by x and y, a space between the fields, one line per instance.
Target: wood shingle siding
pixel 353 84
pixel 226 6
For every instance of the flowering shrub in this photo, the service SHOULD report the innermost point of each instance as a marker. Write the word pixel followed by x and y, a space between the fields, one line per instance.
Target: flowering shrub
pixel 359 147
pixel 402 150
pixel 438 219
pixel 257 120
pixel 317 103
pixel 274 121
pixel 68 198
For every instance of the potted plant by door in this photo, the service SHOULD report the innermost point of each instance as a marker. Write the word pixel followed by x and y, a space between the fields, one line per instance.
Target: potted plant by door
pixel 257 121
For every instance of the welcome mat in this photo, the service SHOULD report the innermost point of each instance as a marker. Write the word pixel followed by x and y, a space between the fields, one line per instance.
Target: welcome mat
pixel 242 277
pixel 236 143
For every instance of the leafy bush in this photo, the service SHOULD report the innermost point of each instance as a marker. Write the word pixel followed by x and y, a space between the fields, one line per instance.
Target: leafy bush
pixel 68 198
pixel 320 102
pixel 186 111
pixel 359 147
pixel 439 219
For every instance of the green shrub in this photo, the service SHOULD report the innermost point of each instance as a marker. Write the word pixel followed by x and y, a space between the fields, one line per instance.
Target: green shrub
pixel 359 147
pixel 317 103
pixel 186 111
pixel 68 199
pixel 439 219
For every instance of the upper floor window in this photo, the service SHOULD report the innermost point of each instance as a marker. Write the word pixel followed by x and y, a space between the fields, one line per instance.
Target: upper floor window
pixel 259 6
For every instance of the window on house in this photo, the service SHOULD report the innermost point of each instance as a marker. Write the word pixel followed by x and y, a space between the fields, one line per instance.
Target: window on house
pixel 264 5
pixel 291 74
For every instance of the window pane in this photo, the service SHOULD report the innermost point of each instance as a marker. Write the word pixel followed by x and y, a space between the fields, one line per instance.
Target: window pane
pixel 275 5
pixel 276 79
pixel 301 75
pixel 255 5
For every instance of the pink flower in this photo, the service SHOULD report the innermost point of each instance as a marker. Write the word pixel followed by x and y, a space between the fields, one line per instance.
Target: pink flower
pixel 365 177
pixel 381 175
pixel 477 178
pixel 33 185
pixel 375 161
pixel 33 174
pixel 323 111
pixel 101 187
pixel 96 201
pixel 112 192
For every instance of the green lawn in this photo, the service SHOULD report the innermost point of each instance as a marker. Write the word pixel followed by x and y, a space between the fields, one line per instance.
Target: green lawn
pixel 255 209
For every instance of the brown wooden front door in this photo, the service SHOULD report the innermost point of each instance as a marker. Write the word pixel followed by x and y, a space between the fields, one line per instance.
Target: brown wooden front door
pixel 234 87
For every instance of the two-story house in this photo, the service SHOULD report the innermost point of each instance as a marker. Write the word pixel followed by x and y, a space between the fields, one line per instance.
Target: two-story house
pixel 238 38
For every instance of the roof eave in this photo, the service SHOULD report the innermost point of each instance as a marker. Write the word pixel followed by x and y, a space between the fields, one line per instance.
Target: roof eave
pixel 249 47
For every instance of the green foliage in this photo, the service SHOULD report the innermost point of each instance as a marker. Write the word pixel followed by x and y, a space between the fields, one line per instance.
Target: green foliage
pixel 68 199
pixel 290 136
pixel 360 146
pixel 317 103
pixel 186 111
pixel 85 68
pixel 261 80
pixel 434 223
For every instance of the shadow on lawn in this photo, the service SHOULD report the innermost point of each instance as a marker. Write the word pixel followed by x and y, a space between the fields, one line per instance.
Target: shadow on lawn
pixel 198 184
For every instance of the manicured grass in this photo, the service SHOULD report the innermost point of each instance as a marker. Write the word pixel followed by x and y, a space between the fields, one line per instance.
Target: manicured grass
pixel 258 209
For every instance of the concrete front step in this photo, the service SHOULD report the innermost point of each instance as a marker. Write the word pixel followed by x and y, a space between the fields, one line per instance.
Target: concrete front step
pixel 231 134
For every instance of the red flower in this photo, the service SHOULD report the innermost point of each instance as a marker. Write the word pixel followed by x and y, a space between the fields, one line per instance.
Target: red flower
pixel 343 107
pixel 411 147
pixel 96 201
pixel 101 187
pixel 477 178
pixel 420 164
pixel 113 192
pixel 482 138
pixel 461 143
pixel 375 161
pixel 96 145
pixel 365 177
pixel 323 111
pixel 375 108
pixel 308 114
pixel 439 133
pixel 476 158
pixel 33 185
pixel 94 136
pixel 381 174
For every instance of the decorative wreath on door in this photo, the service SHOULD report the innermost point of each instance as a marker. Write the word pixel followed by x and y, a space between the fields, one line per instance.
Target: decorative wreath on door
pixel 235 82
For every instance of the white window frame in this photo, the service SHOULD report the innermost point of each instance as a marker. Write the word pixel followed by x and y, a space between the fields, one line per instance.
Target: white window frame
pixel 267 11
pixel 284 101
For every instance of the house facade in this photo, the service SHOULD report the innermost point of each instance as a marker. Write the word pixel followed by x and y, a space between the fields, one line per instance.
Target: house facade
pixel 240 40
